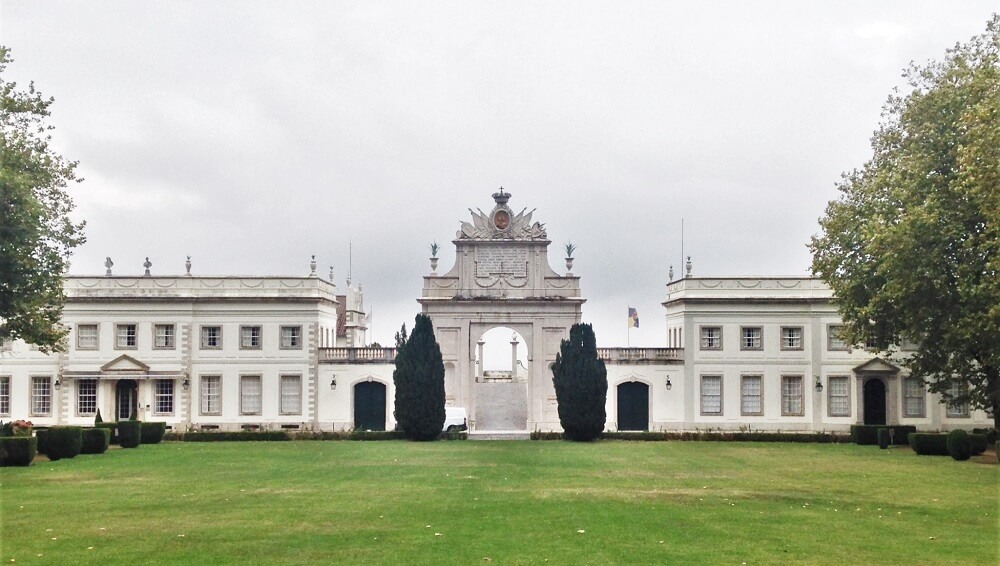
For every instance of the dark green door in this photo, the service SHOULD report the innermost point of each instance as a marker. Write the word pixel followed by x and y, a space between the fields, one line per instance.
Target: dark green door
pixel 874 402
pixel 633 406
pixel 369 406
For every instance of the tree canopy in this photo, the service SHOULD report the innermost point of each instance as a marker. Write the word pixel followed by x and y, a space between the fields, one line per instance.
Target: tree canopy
pixel 911 247
pixel 419 381
pixel 581 384
pixel 37 235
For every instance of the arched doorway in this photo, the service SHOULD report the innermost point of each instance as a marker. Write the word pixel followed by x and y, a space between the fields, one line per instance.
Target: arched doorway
pixel 126 399
pixel 369 406
pixel 874 393
pixel 633 406
pixel 501 380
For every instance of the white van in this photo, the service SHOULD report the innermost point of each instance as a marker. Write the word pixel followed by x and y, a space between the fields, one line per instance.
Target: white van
pixel 455 419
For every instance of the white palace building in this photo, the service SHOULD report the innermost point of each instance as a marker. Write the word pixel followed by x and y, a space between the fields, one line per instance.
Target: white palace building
pixel 274 353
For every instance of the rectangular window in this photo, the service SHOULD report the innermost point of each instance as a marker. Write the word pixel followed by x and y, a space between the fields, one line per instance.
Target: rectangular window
pixel 839 397
pixel 908 344
pixel 291 337
pixel 791 395
pixel 751 338
pixel 250 394
pixel 291 395
pixel 834 341
pixel 4 395
pixel 791 337
pixel 211 394
pixel 163 397
pixel 86 337
pixel 86 396
pixel 125 336
pixel 211 337
pixel 711 337
pixel 751 402
pixel 164 337
pixel 957 409
pixel 41 396
pixel 249 337
pixel 711 394
pixel 913 397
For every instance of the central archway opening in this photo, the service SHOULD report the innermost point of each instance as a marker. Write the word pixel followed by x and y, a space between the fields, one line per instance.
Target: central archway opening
pixel 501 367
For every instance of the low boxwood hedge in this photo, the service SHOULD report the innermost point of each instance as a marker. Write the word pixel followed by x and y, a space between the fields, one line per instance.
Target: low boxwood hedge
pixel 990 433
pixel 241 435
pixel 814 437
pixel 929 444
pixel 95 440
pixel 978 443
pixel 42 434
pixel 152 433
pixel 129 433
pixel 112 428
pixel 63 442
pixel 868 434
pixel 883 437
pixel 17 450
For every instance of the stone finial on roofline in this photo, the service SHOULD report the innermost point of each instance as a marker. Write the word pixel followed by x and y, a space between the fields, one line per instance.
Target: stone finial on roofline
pixel 147 264
pixel 108 263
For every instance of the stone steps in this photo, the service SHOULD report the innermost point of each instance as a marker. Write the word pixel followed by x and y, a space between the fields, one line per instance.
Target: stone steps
pixel 499 435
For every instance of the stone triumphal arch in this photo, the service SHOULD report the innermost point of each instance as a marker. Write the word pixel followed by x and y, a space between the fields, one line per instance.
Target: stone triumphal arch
pixel 502 278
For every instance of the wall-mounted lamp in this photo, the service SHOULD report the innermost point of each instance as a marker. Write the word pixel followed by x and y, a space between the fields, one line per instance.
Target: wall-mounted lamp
pixel 333 383
pixel 669 385
pixel 57 384
pixel 819 385
pixel 186 384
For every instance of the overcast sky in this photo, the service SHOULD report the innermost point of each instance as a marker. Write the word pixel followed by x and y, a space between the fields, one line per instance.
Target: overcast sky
pixel 252 135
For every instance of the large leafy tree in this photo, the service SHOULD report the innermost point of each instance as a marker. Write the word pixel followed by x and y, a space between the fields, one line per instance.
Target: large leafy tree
pixel 581 383
pixel 36 232
pixel 911 248
pixel 419 380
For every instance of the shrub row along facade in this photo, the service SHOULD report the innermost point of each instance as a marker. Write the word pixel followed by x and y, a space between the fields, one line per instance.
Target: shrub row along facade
pixel 275 353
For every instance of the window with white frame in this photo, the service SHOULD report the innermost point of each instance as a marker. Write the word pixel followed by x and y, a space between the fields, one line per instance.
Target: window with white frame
pixel 791 337
pixel 211 337
pixel 125 336
pixel 5 395
pixel 86 337
pixel 211 394
pixel 791 395
pixel 711 337
pixel 250 393
pixel 164 337
pixel 957 409
pixel 751 338
pixel 86 396
pixel 913 397
pixel 291 395
pixel 291 337
pixel 711 394
pixel 751 399
pixel 834 339
pixel 41 395
pixel 250 338
pixel 163 397
pixel 839 397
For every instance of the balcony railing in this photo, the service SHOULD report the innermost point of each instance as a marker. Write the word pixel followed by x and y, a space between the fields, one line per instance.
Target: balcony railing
pixel 357 355
pixel 640 355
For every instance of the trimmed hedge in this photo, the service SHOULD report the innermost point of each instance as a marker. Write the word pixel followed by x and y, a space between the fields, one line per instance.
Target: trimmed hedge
pixel 883 437
pixel 112 428
pixel 242 435
pixel 42 434
pixel 95 440
pixel 17 450
pixel 63 442
pixel 959 446
pixel 129 433
pixel 929 444
pixel 990 433
pixel 979 443
pixel 152 433
pixel 868 434
pixel 812 437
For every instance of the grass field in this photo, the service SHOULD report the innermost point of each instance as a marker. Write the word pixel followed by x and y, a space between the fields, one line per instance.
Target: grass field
pixel 501 503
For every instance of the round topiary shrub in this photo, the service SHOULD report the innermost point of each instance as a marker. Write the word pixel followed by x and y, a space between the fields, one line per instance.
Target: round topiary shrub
pixel 129 433
pixel 959 445
pixel 95 440
pixel 63 442
pixel 152 433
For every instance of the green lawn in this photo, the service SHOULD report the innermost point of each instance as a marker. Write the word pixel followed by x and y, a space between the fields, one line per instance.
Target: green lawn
pixel 501 503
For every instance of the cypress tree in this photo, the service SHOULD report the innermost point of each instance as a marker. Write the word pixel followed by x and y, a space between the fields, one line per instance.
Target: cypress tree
pixel 581 383
pixel 419 380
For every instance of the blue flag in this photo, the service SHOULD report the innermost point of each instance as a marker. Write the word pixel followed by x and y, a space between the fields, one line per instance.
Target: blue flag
pixel 633 318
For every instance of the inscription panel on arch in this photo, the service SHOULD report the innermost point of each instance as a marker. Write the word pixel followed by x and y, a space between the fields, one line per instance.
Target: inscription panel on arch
pixel 508 262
